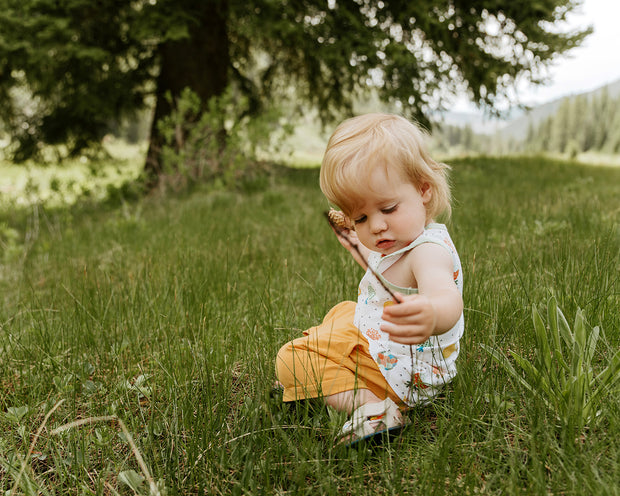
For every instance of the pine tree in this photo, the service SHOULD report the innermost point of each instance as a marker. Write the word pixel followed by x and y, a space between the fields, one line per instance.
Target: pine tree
pixel 86 63
pixel 558 127
pixel 612 141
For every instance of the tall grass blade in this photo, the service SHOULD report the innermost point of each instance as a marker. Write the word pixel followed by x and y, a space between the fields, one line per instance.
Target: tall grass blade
pixel 607 381
pixel 552 319
pixel 540 332
pixel 591 346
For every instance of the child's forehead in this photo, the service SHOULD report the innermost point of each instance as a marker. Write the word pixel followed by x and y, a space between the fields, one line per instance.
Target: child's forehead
pixel 384 182
pixel 381 174
pixel 377 185
pixel 371 201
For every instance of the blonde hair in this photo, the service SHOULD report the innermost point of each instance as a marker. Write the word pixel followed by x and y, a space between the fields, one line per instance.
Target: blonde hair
pixel 361 144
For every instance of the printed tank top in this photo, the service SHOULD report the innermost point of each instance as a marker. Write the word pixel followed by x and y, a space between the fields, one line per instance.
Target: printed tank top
pixel 417 372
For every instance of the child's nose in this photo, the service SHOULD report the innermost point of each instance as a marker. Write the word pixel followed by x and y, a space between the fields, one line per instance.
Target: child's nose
pixel 377 224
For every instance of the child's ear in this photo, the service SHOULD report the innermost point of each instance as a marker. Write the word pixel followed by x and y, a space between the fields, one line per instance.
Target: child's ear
pixel 426 191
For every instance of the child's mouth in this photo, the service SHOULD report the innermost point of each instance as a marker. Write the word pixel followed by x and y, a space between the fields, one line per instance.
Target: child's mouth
pixel 385 244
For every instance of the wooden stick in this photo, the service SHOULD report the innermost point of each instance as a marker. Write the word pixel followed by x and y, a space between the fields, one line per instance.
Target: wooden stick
pixel 341 232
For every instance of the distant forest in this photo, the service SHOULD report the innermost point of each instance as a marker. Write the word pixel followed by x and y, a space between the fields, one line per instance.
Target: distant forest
pixel 583 123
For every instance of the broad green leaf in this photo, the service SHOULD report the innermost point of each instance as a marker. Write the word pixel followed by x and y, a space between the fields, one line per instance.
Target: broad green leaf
pixel 132 478
pixel 580 329
pixel 580 394
pixel 535 378
pixel 579 344
pixel 565 331
pixel 16 413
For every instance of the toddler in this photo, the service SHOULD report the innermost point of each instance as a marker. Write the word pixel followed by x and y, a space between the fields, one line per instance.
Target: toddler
pixel 376 357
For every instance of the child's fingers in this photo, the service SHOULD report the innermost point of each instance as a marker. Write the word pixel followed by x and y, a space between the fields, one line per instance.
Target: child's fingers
pixel 406 306
pixel 414 334
pixel 403 328
pixel 408 340
pixel 410 322
pixel 344 240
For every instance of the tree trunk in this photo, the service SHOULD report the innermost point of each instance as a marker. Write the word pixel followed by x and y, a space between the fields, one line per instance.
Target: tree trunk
pixel 200 62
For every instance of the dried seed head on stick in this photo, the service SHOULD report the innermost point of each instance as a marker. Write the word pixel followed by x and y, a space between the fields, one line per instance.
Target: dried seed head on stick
pixel 339 218
pixel 339 224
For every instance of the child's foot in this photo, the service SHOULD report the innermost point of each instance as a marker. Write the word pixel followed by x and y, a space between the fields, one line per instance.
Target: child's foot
pixel 372 421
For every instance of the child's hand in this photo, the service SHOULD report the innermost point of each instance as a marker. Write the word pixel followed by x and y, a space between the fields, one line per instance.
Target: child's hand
pixel 344 230
pixel 412 321
pixel 340 222
pixel 352 238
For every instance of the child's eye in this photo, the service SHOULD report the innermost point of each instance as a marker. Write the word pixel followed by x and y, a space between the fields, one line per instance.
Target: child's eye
pixel 389 210
pixel 360 220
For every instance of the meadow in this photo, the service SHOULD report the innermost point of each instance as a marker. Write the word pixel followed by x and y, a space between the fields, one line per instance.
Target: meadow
pixel 137 342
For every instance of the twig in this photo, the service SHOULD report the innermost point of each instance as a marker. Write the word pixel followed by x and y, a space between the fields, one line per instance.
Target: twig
pixel 113 418
pixel 266 430
pixel 114 491
pixel 78 423
pixel 32 444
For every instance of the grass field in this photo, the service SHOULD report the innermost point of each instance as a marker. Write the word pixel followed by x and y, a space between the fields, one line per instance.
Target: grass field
pixel 137 342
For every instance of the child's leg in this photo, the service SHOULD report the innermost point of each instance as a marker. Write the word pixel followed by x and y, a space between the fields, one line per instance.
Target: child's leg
pixel 332 361
pixel 304 373
pixel 348 401
pixel 317 364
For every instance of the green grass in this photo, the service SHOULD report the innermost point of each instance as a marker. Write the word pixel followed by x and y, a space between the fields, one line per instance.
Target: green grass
pixel 167 315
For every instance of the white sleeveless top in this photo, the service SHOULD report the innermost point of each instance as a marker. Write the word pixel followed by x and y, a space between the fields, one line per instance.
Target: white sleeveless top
pixel 415 372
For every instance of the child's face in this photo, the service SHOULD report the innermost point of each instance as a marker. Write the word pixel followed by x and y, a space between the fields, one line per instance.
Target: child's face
pixel 393 213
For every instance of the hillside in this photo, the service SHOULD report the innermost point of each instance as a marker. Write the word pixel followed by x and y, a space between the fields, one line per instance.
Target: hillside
pixel 516 123
pixel 517 128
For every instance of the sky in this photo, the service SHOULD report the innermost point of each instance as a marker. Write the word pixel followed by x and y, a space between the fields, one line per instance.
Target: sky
pixel 592 65
pixel 589 66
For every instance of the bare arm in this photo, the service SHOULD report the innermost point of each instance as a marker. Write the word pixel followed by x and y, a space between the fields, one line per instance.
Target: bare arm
pixel 436 308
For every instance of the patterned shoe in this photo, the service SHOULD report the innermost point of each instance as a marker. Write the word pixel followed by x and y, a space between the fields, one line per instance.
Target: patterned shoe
pixel 371 422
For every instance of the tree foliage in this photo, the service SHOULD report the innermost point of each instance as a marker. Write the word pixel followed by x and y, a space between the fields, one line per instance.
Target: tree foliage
pixel 80 64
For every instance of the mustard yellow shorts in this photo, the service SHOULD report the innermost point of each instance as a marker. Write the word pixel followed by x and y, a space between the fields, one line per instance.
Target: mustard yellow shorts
pixel 330 358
